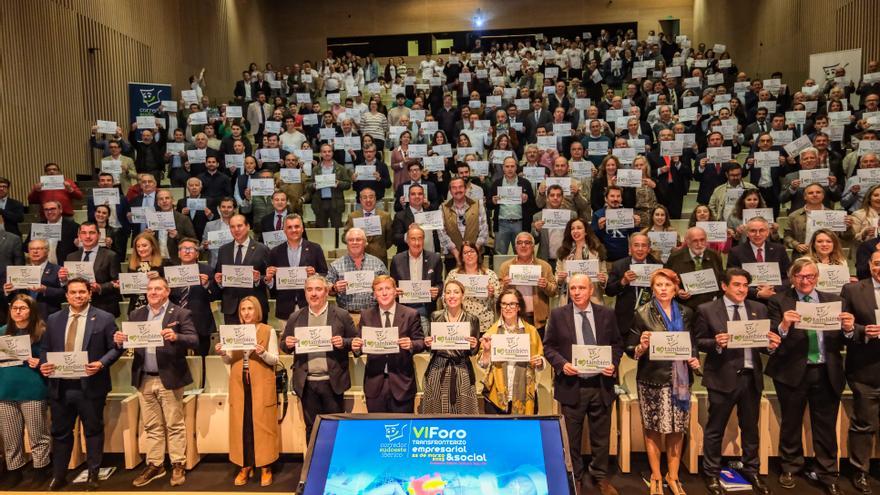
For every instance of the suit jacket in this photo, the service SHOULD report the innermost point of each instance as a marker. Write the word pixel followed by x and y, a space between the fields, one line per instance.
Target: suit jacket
pixel 199 220
pixel 401 373
pixel 171 356
pixel 788 363
pixel 773 252
pixel 122 211
pixel 709 179
pixel 69 232
pixel 343 177
pixel 559 336
pixel 257 256
pixel 288 300
pixel 106 270
pixel 402 220
pixel 267 223
pixel 531 126
pixel 431 195
pixel 862 365
pixel 542 237
pixel 432 269
pixel 340 324
pixel 626 295
pixel 12 214
pixel 720 368
pixel 184 227
pixel 10 250
pixel 680 261
pixel 377 245
pixel 339 155
pixel 528 207
pixel 51 299
pixel 199 301
pixel 97 342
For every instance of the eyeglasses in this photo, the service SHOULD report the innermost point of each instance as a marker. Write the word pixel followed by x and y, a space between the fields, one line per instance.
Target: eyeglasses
pixel 809 277
pixel 524 243
pixel 509 304
pixel 187 250
pixel 19 308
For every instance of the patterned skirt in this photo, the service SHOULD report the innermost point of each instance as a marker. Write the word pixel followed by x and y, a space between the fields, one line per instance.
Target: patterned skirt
pixel 448 388
pixel 658 410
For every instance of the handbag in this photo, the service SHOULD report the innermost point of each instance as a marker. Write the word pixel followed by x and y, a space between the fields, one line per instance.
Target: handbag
pixel 281 385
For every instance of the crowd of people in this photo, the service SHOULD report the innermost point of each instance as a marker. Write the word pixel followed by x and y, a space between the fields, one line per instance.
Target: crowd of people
pixel 576 155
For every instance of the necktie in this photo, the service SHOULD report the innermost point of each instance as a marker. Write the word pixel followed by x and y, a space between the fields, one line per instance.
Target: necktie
pixel 368 214
pixel 238 255
pixel 587 329
pixel 736 317
pixel 387 319
pixel 87 255
pixel 760 256
pixel 812 340
pixel 668 161
pixel 262 114
pixel 70 342
pixel 761 126
pixel 278 222
pixel 717 169
pixel 698 262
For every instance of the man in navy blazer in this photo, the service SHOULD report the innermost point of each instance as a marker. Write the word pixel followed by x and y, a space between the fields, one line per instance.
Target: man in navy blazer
pixel 296 252
pixel 583 396
pixel 197 297
pixel 82 327
pixel 105 181
pixel 733 376
pixel 429 266
pixel 242 251
pixel 760 249
pixel 389 379
pixel 49 294
pixel 11 210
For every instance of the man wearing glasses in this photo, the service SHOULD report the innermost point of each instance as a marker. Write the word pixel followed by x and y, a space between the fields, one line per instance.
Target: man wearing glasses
pixel 463 220
pixel 807 369
pixel 536 290
pixel 197 297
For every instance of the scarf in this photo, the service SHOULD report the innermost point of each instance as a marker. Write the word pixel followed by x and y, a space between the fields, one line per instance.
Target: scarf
pixel 681 392
pixel 520 379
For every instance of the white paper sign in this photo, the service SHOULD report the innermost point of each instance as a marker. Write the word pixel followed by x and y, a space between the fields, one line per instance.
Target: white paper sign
pixel 450 336
pixel 52 182
pixel 238 337
pixel 429 220
pixel 819 316
pixel 813 176
pixel 670 346
pixel 217 238
pixel 133 283
pixel 146 122
pixel 323 181
pixel 241 276
pixel 371 225
pixel 105 196
pixel 832 278
pixel 359 281
pixel 47 231
pixel 274 238
pixel 313 339
pixel 474 285
pixel 750 213
pixel 629 177
pixel 379 340
pixel 107 127
pixel 526 275
pixel 415 291
pixel 700 281
pixel 715 231
pixel 643 273
pixel 763 273
pixel 591 358
pixel 587 267
pixel 748 334
pixel 68 365
pixel 160 220
pixel 291 278
pixel 767 159
pixel 24 277
pixel 262 187
pixel 182 275
pixel 510 347
pixel 15 348
pixel 142 334
pixel 619 218
pixel 80 269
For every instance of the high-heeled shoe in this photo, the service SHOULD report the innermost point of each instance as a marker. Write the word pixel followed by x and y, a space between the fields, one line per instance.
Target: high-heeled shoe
pixel 675 486
pixel 243 475
pixel 656 487
pixel 266 476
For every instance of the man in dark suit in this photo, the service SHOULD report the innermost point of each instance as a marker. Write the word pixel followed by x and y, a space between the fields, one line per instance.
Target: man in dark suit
pixel 760 250
pixel 538 117
pixel 710 175
pixel 197 298
pixel 620 278
pixel 509 220
pixel 414 170
pixel 183 226
pixel 69 231
pixel 693 257
pixel 417 264
pixel 863 372
pixel 407 216
pixel 274 220
pixel 584 395
pixel 348 156
pixel 11 210
pixel 242 251
pixel 120 210
pixel 243 91
pixel 49 294
pixel 82 327
pixel 296 252
pixel 198 217
pixel 147 200
pixel 389 379
pixel 105 287
pixel 807 369
pixel 320 379
pixel 672 175
pixel 733 377
pixel 159 374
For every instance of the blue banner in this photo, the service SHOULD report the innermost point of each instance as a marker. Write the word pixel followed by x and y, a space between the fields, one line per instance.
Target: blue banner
pixel 145 98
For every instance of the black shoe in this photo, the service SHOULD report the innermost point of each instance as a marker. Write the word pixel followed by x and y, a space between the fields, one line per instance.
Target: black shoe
pixel 786 480
pixel 833 489
pixel 758 485
pixel 713 486
pixel 13 478
pixel 57 483
pixel 91 483
pixel 860 482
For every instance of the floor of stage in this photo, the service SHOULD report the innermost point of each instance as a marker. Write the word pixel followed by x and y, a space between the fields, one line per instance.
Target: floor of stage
pixel 215 474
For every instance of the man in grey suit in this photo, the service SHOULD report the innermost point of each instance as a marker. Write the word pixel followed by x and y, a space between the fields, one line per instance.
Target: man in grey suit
pixel 549 239
pixel 105 287
pixel 417 264
pixel 242 251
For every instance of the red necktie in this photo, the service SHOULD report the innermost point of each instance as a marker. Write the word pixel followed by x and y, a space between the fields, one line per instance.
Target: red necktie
pixel 760 256
pixel 668 169
pixel 278 222
pixel 717 169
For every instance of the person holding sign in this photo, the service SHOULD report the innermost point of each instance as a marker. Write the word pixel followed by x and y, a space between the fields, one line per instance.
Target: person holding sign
pixel 127 176
pixel 767 176
pixel 145 259
pixel 464 219
pixel 510 216
pixel 801 223
pixel 105 290
pixel 614 237
pixel 452 338
pixel 510 386
pixel 725 196
pixel 415 177
pixel 607 176
pixel 672 174
pixel 664 375
pixel 295 191
pixel 23 393
pixel 242 251
pixel 580 326
pixel 404 218
pixel 863 371
pixel 793 188
pixel 195 295
pixel 253 411
pixel 710 175
pixel 296 253
pixel 757 251
pixel 320 377
pixel 826 249
pixel 48 292
pixel 417 266
pixel 81 328
pixel 481 285
pixel 389 378
pixel 733 374
pixel 355 262
pixel 807 369
pixel 159 374
pixel 549 224
pixel 752 203
pixel 575 198
pixel 580 244
pixel 699 267
pixel 327 193
pixel 375 222
pixel 532 277
pixel 66 194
